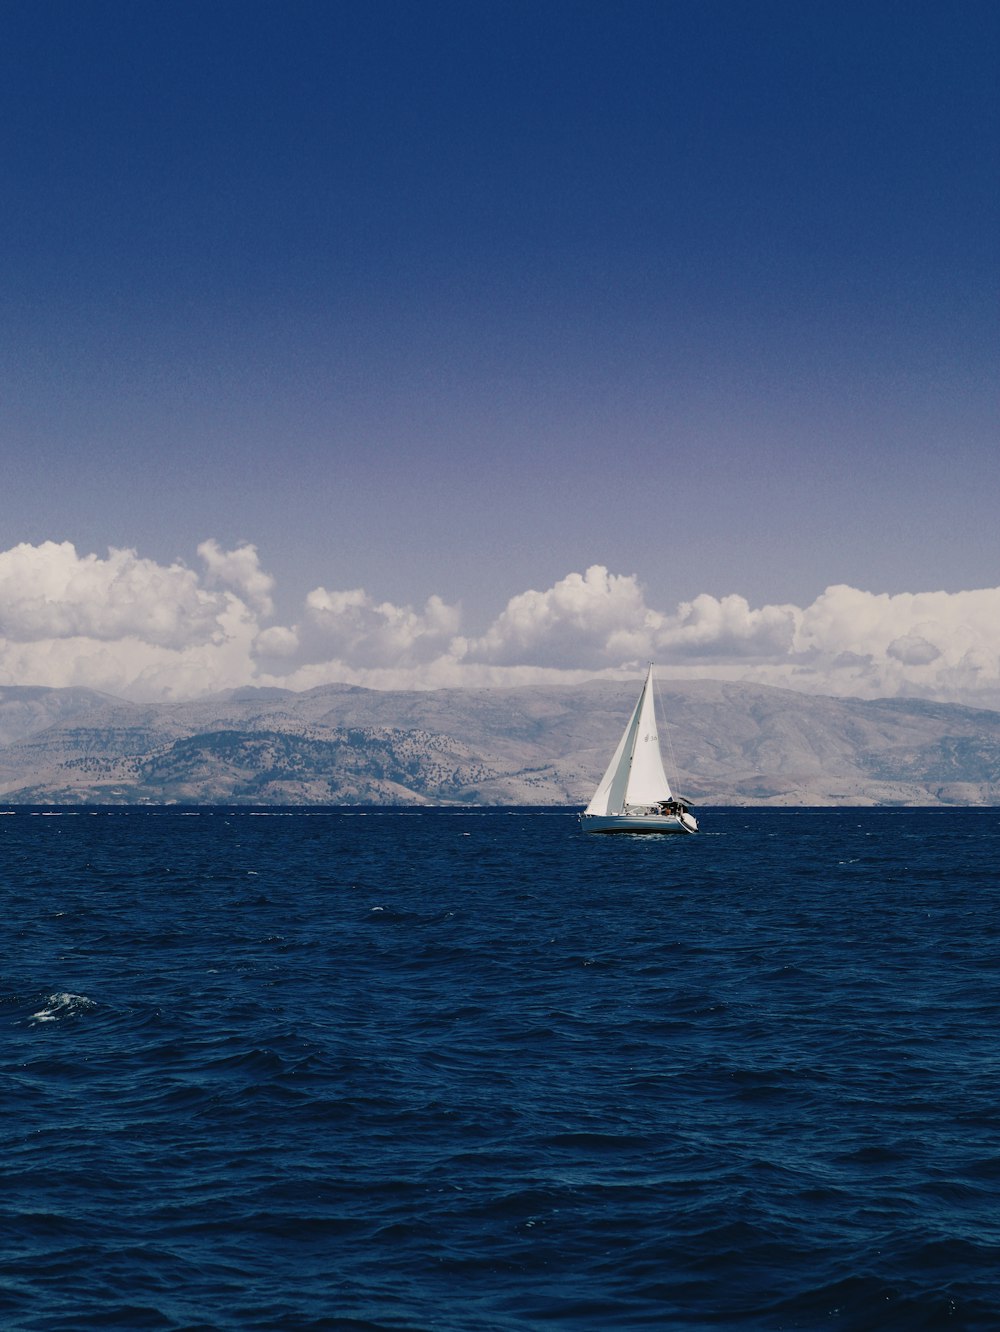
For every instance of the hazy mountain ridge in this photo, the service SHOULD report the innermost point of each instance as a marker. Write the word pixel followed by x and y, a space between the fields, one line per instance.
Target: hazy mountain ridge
pixel 339 744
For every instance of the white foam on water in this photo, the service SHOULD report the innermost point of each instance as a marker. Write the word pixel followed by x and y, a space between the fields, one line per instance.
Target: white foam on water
pixel 62 1005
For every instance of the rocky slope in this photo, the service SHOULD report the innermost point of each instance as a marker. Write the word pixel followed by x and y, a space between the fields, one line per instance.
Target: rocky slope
pixel 733 744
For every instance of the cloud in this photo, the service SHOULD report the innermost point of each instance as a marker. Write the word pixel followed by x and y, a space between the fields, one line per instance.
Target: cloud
pixel 942 645
pixel 913 650
pixel 130 626
pixel 585 620
pixel 355 629
pixel 278 641
pixel 710 628
pixel 601 620
pixel 240 571
pixel 50 592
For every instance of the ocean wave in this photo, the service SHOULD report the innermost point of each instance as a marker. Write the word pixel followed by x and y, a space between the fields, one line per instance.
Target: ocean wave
pixel 549 1084
pixel 58 1007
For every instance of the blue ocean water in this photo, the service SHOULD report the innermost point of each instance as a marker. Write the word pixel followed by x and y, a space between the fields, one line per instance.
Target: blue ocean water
pixel 470 1070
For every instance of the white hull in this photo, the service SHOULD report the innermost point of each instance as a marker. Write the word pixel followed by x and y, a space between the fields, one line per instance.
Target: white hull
pixel 638 823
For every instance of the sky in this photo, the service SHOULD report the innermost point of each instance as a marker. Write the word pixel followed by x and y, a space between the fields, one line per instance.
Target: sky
pixel 432 343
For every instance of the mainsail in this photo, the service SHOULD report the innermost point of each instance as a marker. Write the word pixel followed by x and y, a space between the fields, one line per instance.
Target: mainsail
pixel 635 775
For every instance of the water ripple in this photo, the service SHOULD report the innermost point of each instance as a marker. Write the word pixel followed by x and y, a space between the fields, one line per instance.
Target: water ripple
pixel 479 1074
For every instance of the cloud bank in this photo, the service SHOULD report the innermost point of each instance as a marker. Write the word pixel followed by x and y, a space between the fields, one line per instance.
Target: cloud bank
pixel 146 631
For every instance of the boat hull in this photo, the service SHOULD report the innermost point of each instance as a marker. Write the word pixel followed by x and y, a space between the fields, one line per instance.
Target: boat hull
pixel 638 823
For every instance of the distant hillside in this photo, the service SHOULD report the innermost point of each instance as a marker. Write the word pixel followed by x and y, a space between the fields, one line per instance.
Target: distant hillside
pixel 733 744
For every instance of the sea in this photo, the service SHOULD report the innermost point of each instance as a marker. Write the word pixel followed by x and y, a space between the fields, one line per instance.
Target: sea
pixel 472 1070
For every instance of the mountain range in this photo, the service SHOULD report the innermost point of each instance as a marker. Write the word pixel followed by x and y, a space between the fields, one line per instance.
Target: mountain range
pixel 732 744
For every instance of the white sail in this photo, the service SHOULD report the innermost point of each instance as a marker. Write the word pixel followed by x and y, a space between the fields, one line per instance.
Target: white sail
pixel 647 781
pixel 635 775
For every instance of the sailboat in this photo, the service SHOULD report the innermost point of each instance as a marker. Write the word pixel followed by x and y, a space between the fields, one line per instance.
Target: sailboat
pixel 634 795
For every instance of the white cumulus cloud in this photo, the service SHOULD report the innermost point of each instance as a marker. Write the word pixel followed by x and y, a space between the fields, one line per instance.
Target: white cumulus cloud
pixel 51 592
pixel 240 571
pixel 355 629
pixel 131 626
pixel 943 645
pixel 585 620
pixel 121 623
pixel 726 627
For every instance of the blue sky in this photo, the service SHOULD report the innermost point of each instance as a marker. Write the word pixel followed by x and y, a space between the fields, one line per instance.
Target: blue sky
pixel 458 301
